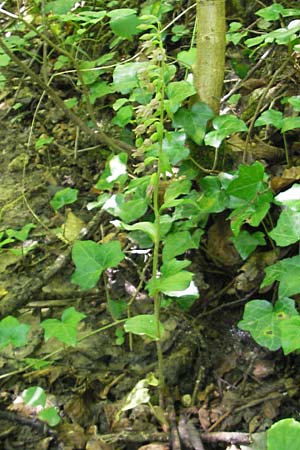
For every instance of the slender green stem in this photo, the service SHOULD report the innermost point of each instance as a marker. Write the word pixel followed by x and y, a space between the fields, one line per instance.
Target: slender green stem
pixel 156 209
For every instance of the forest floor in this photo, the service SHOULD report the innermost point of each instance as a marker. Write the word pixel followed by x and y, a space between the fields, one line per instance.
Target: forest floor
pixel 218 379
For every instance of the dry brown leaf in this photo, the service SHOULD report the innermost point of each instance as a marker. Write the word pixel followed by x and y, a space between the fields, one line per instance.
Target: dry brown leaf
pixel 72 435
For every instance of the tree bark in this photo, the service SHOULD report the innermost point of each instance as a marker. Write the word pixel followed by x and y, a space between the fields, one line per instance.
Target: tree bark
pixel 209 70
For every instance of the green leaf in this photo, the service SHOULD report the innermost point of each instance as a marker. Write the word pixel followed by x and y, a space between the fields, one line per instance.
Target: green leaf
pixel 287 230
pixel 124 22
pixel 294 100
pixel 41 142
pixel 213 198
pixel 59 6
pixel 89 76
pixel 34 396
pixel 147 227
pixel 64 197
pixel 187 57
pixel 65 330
pixel 283 36
pixel 125 76
pixel 194 121
pixel 115 172
pixel 176 188
pixel 225 126
pixel 71 102
pixel 249 183
pixel 22 234
pixel 255 41
pixel 287 273
pixel 173 266
pixel 270 13
pixel 123 116
pixel 172 283
pixel 72 317
pixel 174 146
pixel 91 259
pixel 177 91
pixel 117 308
pixel 13 332
pixel 262 320
pixel 290 198
pixel 100 89
pixel 177 243
pixel 144 325
pixel 50 416
pixel 4 60
pixel 246 243
pixel 290 334
pixel 290 123
pixel 284 435
pixel 270 117
pixel 133 209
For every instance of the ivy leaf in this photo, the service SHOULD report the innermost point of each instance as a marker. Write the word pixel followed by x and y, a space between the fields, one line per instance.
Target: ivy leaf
pixel 124 22
pixel 91 259
pixel 22 234
pixel 60 6
pixel 290 197
pixel 177 243
pixel 224 126
pixel 144 325
pixel 270 117
pixel 176 282
pixel 213 198
pixel 194 121
pixel 246 243
pixel 34 396
pixel 65 330
pixel 177 91
pixel 50 416
pixel 4 60
pixel 175 189
pixel 123 116
pixel 174 146
pixel 283 36
pixel 147 227
pixel 133 209
pixel 287 273
pixel 99 89
pixel 64 197
pixel 290 123
pixel 287 230
pixel 284 435
pixel 173 266
pixel 262 320
pixel 252 212
pixel 290 334
pixel 249 182
pixel 13 332
pixel 270 13
pixel 294 100
pixel 187 57
pixel 125 76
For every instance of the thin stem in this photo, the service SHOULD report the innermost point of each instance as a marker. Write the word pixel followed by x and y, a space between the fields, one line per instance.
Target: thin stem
pixel 286 150
pixel 156 209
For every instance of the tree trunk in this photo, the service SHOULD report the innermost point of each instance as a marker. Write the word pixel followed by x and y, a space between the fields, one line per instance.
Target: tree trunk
pixel 209 71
